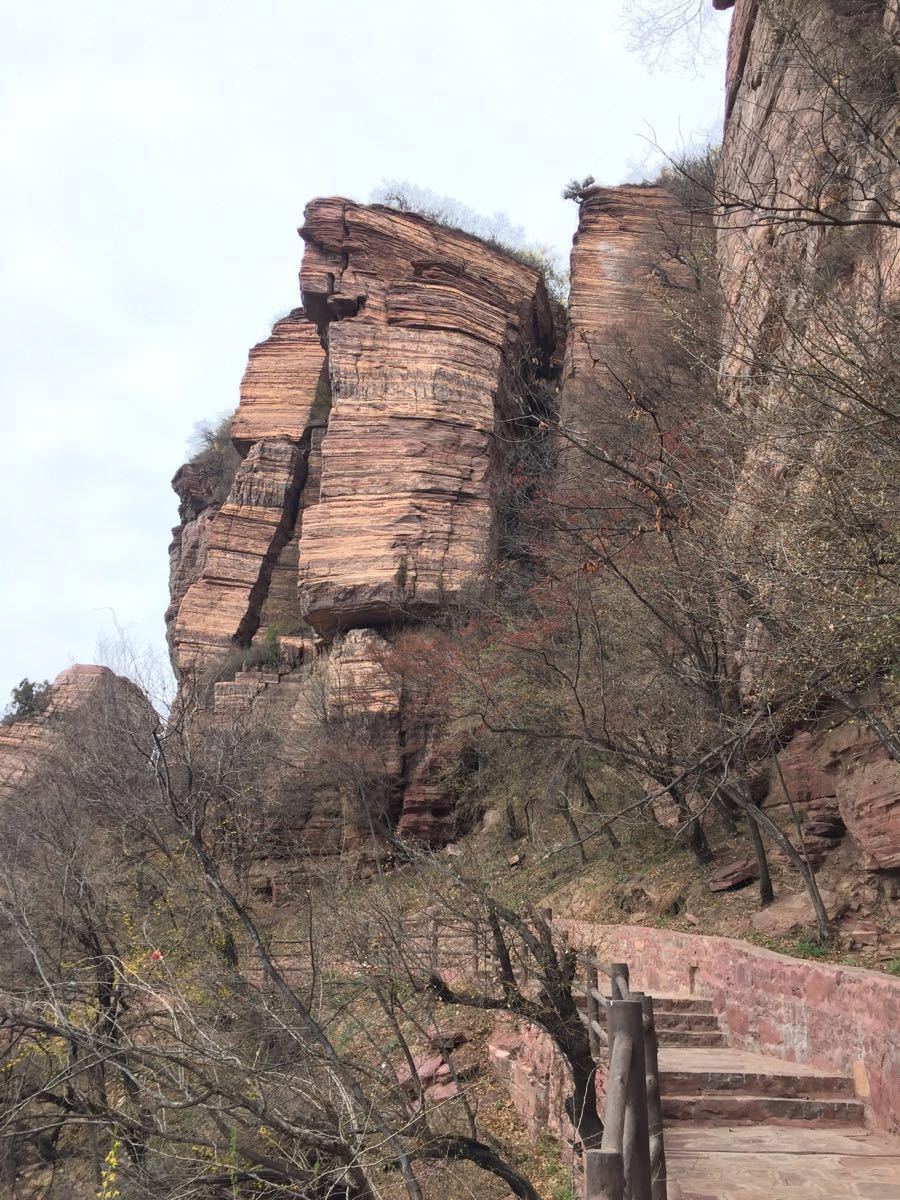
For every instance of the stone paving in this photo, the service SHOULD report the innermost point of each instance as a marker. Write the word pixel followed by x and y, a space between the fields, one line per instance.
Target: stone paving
pixel 770 1162
pixel 797 1132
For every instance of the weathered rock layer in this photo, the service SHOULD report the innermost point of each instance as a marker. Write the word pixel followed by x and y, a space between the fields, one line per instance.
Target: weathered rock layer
pixel 429 332
pixel 373 426
pixel 87 707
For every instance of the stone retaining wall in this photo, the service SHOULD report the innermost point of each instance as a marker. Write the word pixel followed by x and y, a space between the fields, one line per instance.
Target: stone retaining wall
pixel 838 1018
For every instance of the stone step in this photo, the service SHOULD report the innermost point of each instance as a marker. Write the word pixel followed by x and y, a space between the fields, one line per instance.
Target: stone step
pixel 691 1037
pixel 673 1006
pixel 773 1162
pixel 685 1020
pixel 692 1004
pixel 697 1082
pixel 740 1108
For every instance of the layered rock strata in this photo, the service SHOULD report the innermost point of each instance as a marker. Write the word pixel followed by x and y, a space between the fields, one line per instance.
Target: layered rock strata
pixel 430 334
pixel 87 709
pixel 622 252
pixel 631 253
pixel 224 556
pixel 373 426
pixel 835 780
pixel 808 248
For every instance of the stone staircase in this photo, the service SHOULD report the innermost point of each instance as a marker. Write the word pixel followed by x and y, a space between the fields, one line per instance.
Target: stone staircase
pixel 746 1126
pixel 704 1080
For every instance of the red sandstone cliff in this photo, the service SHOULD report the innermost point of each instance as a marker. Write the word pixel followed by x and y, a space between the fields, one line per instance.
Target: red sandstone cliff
pixel 366 495
pixel 808 252
pixel 85 703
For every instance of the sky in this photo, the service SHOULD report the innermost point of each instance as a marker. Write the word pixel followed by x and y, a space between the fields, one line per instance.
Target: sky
pixel 157 161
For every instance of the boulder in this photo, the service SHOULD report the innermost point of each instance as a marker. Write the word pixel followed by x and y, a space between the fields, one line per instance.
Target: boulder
pixel 736 875
pixel 792 915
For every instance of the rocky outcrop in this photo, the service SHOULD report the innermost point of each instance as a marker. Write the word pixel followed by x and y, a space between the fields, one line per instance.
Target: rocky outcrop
pixel 84 703
pixel 225 556
pixel 244 540
pixel 621 253
pixel 430 336
pixel 373 427
pixel 839 779
pixel 623 396
pixel 285 387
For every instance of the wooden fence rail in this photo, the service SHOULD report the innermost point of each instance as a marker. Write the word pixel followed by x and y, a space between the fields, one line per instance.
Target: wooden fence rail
pixel 631 1161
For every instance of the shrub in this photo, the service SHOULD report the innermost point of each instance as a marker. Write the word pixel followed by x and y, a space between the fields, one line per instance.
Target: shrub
pixel 804 948
pixel 28 700
pixel 272 640
pixel 691 178
pixel 215 455
pixel 496 231
pixel 322 399
pixel 573 189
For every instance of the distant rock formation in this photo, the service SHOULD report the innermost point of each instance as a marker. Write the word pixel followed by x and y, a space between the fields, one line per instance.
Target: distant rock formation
pixel 427 331
pixel 373 426
pixel 84 703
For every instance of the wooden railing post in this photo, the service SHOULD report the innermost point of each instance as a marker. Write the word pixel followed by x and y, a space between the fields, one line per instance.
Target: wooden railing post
pixel 592 1010
pixel 618 971
pixel 604 1175
pixel 658 1189
pixel 626 1017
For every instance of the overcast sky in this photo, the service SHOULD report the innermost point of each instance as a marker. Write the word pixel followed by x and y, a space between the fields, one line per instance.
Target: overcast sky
pixel 157 160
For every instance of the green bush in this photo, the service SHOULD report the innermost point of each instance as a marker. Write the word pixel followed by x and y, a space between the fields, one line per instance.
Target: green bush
pixel 496 231
pixel 28 700
pixel 575 186
pixel 321 406
pixel 215 455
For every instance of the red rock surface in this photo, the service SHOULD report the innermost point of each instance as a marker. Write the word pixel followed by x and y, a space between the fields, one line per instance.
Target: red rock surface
pixel 840 777
pixel 789 146
pixel 366 493
pixel 734 875
pixel 620 248
pixel 425 326
pixel 244 538
pixel 82 700
pixel 196 490
pixel 280 385
pixel 227 558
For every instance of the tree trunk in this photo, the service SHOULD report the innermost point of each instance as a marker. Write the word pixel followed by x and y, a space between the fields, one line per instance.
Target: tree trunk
pixel 468 1149
pixel 766 891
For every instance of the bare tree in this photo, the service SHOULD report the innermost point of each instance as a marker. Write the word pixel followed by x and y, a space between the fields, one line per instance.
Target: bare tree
pixel 148 1019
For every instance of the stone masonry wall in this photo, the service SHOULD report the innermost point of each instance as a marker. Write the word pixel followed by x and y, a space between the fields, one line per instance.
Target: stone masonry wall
pixel 844 1019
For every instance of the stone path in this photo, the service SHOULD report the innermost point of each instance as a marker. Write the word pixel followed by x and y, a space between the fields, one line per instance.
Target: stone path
pixel 745 1126
pixel 778 1162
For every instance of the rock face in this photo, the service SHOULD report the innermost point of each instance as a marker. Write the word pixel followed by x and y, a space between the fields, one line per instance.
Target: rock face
pixel 83 701
pixel 840 779
pixel 244 540
pixel 630 255
pixel 808 251
pixel 622 246
pixel 365 498
pixel 427 332
pixel 792 161
pixel 224 555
